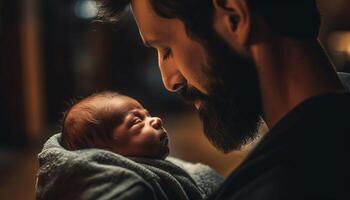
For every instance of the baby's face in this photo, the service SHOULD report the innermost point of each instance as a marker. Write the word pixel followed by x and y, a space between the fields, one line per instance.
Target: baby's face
pixel 139 134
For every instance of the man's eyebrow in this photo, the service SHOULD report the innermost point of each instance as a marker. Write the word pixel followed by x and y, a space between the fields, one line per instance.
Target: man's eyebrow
pixel 150 43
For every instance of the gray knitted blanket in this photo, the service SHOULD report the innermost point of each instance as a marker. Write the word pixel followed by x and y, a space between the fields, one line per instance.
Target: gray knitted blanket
pixel 98 174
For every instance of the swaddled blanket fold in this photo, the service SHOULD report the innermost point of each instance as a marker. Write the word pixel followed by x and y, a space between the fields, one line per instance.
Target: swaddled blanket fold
pixel 99 174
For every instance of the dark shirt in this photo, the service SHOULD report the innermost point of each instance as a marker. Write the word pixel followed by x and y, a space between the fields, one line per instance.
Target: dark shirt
pixel 304 156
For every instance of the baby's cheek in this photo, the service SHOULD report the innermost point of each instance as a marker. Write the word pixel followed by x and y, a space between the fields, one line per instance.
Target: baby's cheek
pixel 149 135
pixel 146 142
pixel 152 146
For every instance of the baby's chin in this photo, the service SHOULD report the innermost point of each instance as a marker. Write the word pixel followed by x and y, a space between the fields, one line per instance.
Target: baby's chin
pixel 165 154
pixel 162 153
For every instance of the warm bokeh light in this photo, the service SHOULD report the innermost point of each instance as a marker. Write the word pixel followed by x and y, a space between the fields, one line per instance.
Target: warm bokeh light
pixel 340 41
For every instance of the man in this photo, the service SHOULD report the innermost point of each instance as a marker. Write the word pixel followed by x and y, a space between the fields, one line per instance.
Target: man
pixel 244 61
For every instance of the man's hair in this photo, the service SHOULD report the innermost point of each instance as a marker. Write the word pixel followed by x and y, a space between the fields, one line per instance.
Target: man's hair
pixel 88 121
pixel 291 18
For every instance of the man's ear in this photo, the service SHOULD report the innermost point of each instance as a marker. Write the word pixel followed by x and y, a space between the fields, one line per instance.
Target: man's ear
pixel 232 20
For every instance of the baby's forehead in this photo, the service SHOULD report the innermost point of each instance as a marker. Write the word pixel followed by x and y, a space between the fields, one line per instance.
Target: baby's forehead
pixel 123 105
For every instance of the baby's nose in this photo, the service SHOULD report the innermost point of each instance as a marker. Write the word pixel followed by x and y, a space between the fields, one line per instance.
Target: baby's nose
pixel 156 123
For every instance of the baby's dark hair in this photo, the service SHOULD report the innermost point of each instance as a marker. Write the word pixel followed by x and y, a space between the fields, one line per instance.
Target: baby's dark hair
pixel 89 122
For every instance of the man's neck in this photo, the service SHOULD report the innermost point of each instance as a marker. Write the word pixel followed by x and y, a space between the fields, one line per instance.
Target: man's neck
pixel 291 72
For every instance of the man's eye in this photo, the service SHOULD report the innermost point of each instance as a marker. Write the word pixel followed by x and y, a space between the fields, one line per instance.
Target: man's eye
pixel 167 53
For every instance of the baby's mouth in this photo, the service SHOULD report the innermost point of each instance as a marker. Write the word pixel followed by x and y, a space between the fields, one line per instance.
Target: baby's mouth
pixel 164 139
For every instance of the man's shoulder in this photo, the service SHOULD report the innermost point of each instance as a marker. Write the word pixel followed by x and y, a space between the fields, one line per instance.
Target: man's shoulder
pixel 323 116
pixel 281 181
pixel 316 117
pixel 303 158
pixel 271 185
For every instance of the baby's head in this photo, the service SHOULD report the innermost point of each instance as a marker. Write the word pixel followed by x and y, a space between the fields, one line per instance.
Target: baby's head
pixel 114 122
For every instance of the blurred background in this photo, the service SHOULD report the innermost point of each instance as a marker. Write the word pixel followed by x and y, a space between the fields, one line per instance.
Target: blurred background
pixel 53 51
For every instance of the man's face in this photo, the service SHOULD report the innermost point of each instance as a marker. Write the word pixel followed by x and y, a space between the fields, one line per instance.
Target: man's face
pixel 222 84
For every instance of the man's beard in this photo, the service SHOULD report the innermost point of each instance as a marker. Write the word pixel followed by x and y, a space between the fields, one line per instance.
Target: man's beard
pixel 231 113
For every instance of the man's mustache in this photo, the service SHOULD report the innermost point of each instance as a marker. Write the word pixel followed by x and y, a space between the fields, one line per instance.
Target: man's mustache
pixel 191 94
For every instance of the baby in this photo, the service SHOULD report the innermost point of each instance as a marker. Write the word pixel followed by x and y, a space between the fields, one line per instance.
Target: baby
pixel 117 123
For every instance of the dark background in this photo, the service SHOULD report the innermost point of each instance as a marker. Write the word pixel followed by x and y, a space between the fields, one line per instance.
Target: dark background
pixel 54 50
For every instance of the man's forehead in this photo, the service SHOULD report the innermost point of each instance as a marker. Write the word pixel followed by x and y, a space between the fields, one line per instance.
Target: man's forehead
pixel 143 7
pixel 151 26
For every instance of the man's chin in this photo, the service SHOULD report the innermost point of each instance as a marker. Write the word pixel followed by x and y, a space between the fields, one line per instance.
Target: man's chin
pixel 224 143
pixel 227 135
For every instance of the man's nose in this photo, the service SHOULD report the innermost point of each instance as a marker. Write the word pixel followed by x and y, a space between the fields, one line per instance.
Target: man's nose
pixel 156 123
pixel 174 83
pixel 172 78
